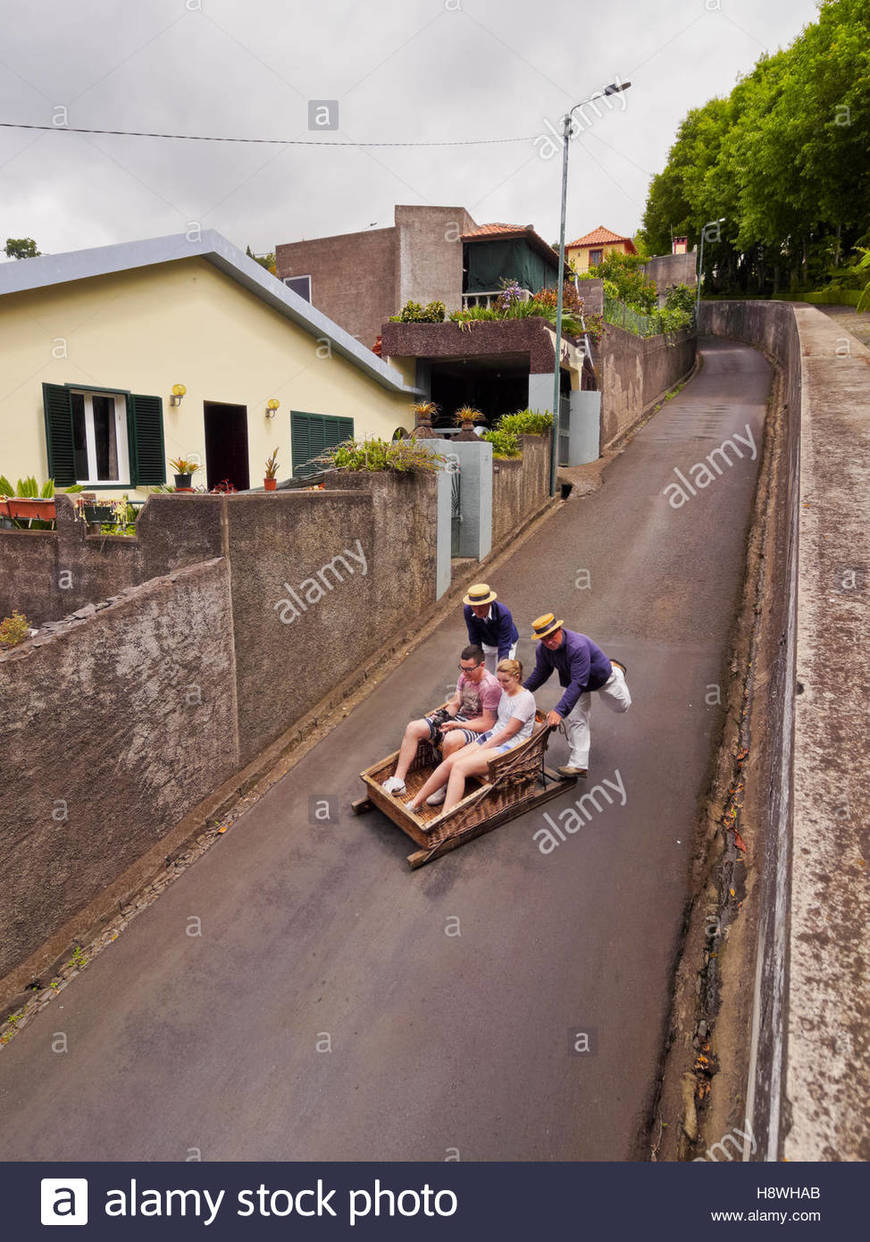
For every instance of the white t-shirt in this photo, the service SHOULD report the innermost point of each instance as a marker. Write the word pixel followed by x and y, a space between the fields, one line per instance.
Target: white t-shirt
pixel 519 706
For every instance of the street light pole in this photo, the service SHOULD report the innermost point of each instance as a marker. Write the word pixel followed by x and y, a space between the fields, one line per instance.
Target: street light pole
pixel 567 123
pixel 708 225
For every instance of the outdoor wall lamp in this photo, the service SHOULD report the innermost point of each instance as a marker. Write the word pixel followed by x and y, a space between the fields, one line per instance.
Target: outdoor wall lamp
pixel 272 407
pixel 178 391
pixel 567 129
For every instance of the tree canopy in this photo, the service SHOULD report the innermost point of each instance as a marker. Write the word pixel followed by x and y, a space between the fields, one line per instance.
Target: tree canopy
pixel 21 248
pixel 785 159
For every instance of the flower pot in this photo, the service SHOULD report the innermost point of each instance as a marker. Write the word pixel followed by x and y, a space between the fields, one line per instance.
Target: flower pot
pixel 21 507
pixel 270 484
pixel 183 480
pixel 100 513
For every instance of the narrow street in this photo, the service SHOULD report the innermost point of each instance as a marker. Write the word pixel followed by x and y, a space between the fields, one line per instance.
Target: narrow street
pixel 329 1010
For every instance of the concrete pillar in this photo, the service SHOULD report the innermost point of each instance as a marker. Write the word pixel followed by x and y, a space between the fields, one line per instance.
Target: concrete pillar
pixel 541 392
pixel 443 563
pixel 584 429
pixel 475 464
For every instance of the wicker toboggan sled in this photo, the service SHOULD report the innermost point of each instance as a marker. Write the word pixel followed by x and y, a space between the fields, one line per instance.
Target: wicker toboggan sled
pixel 517 781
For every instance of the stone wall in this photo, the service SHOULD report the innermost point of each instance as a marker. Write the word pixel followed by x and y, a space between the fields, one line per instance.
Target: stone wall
pixel 634 371
pixel 49 574
pixel 672 269
pixel 319 582
pixel 520 486
pixel 286 537
pixel 116 723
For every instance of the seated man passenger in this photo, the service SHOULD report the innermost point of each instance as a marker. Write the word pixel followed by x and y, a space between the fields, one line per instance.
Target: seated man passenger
pixel 470 712
pixel 514 723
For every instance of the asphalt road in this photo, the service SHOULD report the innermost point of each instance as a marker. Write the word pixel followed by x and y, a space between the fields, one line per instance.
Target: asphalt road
pixel 329 1010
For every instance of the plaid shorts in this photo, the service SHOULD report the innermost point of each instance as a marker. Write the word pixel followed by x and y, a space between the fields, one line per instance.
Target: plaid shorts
pixel 437 719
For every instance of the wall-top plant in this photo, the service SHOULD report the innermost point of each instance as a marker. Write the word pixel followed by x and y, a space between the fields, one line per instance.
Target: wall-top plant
pixel 377 454
pixel 413 312
pixel 505 435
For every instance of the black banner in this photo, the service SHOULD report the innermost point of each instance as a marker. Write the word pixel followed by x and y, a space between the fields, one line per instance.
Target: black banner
pixel 480 1201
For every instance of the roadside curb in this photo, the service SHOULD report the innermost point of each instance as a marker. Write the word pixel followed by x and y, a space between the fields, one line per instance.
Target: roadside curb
pixel 703 1084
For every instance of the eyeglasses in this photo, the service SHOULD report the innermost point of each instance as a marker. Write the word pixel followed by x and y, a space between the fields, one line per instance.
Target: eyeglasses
pixel 468 668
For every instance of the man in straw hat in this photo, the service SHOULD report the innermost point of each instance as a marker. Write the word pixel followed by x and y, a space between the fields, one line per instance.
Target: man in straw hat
pixel 582 667
pixel 490 625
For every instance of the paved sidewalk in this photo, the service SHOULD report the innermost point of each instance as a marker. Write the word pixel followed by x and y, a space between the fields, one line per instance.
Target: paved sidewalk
pixel 329 1010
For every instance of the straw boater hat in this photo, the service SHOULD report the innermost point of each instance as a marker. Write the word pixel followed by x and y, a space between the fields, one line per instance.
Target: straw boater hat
pixel 478 595
pixel 547 624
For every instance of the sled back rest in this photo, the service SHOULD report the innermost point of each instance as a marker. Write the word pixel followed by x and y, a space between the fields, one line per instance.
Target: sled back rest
pixel 528 754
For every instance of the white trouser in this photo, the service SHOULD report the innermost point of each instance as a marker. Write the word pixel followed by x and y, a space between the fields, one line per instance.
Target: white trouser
pixel 491 657
pixel 615 694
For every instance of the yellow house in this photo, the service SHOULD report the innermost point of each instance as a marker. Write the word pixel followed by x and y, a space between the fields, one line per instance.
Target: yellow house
pixel 114 361
pixel 588 251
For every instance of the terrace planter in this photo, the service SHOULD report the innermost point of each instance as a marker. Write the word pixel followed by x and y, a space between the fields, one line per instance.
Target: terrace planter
pixel 270 484
pixel 100 513
pixel 30 507
pixel 182 482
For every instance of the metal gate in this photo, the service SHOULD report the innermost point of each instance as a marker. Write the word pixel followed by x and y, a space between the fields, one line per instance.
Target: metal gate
pixel 455 503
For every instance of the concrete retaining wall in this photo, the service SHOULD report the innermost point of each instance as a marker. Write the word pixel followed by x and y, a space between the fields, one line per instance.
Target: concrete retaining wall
pixel 634 371
pixel 672 269
pixel 813 1081
pixel 116 724
pixel 49 574
pixel 520 486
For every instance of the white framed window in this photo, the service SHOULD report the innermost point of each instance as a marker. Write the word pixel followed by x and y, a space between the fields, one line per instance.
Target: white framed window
pixel 300 285
pixel 100 436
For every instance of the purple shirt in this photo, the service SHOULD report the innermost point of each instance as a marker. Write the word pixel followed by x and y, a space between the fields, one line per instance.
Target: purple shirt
pixel 581 666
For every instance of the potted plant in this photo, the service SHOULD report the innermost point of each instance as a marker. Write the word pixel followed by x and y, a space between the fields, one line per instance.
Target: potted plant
pixel 28 502
pixel 466 417
pixel 95 512
pixel 270 482
pixel 424 412
pixel 184 472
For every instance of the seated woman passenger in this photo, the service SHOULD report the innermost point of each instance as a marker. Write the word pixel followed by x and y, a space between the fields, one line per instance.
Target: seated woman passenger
pixel 514 723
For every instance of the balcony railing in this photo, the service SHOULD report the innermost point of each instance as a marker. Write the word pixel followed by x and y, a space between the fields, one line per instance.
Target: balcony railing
pixel 489 297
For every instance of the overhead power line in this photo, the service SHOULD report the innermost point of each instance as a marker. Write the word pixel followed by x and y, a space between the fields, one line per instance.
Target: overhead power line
pixel 281 142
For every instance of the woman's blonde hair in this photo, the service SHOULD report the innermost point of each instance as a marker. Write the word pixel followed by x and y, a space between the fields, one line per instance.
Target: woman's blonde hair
pixel 512 667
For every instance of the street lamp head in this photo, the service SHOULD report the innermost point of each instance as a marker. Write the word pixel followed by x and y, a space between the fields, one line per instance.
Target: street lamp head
pixel 615 87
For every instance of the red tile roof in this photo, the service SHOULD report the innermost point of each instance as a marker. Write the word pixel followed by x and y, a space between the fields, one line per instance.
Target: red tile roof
pixel 602 237
pixel 487 230
pixel 493 232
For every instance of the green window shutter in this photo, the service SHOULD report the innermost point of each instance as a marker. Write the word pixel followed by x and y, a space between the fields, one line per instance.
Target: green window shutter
pixel 59 434
pixel 310 434
pixel 299 441
pixel 145 436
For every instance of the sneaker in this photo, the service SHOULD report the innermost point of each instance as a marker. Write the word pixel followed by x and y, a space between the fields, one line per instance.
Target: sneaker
pixel 392 785
pixel 568 770
pixel 437 797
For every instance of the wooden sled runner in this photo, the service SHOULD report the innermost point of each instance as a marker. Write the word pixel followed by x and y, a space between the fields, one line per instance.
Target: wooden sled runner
pixel 517 781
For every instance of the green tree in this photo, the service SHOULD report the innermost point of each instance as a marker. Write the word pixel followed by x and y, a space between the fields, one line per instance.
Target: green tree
pixel 21 248
pixel 265 260
pixel 785 159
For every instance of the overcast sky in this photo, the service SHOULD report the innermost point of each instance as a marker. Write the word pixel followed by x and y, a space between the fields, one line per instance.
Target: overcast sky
pixel 400 70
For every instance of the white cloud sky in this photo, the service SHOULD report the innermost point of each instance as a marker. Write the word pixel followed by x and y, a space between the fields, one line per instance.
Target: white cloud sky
pixel 419 69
